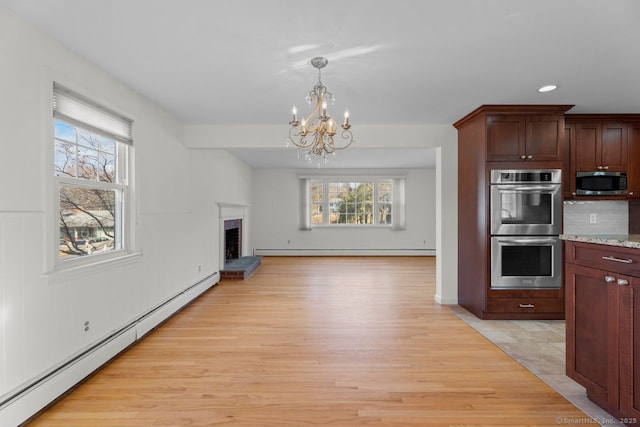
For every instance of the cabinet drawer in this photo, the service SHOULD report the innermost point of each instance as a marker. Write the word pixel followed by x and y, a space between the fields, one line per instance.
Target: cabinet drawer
pixel 604 257
pixel 525 305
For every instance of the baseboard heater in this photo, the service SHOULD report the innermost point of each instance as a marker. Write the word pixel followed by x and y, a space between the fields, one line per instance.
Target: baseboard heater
pixel 19 405
pixel 345 252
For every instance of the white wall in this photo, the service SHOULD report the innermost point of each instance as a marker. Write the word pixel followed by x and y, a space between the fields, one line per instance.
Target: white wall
pixel 176 226
pixel 276 228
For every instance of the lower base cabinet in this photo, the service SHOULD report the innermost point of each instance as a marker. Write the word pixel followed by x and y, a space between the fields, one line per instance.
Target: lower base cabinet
pixel 602 308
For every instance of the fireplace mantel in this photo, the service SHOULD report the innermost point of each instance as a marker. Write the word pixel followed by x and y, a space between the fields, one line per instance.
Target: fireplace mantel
pixel 232 210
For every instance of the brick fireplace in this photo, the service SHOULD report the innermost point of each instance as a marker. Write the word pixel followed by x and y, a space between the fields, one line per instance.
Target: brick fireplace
pixel 232 239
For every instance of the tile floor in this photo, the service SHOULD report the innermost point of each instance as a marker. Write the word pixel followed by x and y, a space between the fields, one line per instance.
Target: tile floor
pixel 539 346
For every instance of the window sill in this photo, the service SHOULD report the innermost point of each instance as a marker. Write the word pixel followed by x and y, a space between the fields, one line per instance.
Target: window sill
pixel 66 273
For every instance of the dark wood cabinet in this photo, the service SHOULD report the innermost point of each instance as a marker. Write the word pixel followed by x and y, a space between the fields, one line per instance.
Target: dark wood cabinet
pixel 591 322
pixel 518 137
pixel 603 324
pixel 630 349
pixel 601 146
pixel 501 137
pixel 602 142
pixel 568 171
pixel 633 166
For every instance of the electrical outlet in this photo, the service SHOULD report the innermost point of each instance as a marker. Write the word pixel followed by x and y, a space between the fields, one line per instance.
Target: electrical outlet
pixel 199 268
pixel 86 326
pixel 593 218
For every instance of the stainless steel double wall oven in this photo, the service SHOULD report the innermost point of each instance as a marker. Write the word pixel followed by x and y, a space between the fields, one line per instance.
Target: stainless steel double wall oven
pixel 526 221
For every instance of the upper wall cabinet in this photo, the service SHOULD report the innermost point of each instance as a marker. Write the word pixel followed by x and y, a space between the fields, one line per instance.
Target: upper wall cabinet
pixel 603 142
pixel 525 137
pixel 633 167
pixel 601 146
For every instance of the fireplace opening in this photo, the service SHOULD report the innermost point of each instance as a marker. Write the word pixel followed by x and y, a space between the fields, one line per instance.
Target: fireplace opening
pixel 232 239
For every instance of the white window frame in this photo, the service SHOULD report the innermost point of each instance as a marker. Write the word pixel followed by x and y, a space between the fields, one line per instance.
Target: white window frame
pixel 57 269
pixel 398 200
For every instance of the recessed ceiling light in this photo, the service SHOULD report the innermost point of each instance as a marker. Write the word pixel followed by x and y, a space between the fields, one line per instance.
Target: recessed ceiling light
pixel 547 88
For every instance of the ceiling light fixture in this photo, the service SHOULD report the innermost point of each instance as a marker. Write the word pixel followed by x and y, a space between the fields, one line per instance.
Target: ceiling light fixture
pixel 547 88
pixel 314 135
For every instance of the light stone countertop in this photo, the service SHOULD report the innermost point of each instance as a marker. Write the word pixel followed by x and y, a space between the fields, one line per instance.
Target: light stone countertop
pixel 624 240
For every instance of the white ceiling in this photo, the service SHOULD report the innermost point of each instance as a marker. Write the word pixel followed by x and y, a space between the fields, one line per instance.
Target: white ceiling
pixel 390 62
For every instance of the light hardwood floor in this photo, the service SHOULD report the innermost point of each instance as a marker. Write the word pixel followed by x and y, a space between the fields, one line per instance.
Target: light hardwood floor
pixel 339 341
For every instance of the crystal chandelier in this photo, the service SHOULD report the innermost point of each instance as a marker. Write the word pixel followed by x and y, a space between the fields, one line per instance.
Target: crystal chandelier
pixel 314 135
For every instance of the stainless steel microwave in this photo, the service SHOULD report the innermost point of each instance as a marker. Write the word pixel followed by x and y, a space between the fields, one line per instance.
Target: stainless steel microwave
pixel 601 183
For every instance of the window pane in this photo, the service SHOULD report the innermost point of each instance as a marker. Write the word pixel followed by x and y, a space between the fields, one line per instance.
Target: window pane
pixel 384 213
pixel 88 139
pixel 385 186
pixel 317 193
pixel 88 167
pixel 316 213
pixel 64 131
pixel 107 167
pixel 107 145
pixel 88 221
pixel 65 159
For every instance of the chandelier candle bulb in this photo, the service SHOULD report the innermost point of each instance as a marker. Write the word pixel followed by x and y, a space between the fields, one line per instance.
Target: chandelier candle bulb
pixel 346 118
pixel 294 110
pixel 324 109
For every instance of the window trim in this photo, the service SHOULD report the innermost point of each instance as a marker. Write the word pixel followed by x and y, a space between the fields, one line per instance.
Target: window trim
pixel 54 269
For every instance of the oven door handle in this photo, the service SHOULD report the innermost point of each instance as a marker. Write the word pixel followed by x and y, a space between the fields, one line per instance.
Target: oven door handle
pixel 527 241
pixel 529 188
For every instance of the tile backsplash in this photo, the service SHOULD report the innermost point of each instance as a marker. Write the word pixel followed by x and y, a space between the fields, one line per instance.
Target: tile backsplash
pixel 596 217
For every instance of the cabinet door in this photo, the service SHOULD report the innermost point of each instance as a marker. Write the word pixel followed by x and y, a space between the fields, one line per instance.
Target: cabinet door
pixel 569 162
pixel 592 333
pixel 587 146
pixel 544 138
pixel 505 138
pixel 633 166
pixel 613 147
pixel 630 347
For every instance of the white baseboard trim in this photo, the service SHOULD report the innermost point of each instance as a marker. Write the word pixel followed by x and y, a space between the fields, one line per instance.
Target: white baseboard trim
pixel 445 301
pixel 345 252
pixel 19 405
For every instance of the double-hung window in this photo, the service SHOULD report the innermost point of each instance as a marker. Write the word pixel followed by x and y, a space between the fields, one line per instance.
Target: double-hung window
pixel 91 149
pixel 354 201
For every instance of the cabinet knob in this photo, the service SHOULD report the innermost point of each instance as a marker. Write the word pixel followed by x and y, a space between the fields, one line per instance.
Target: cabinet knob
pixel 623 282
pixel 523 157
pixel 574 193
pixel 609 279
pixel 605 167
pixel 630 193
pixel 529 157
pixel 599 168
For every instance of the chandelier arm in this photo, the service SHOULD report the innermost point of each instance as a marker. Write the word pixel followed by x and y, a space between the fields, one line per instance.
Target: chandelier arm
pixel 348 137
pixel 301 139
